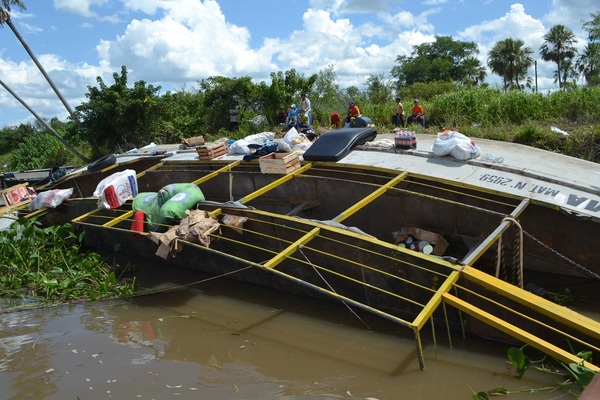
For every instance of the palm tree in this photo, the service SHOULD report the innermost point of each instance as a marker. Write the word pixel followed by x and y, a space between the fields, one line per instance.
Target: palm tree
pixel 5 8
pixel 511 60
pixel 588 63
pixel 474 71
pixel 559 47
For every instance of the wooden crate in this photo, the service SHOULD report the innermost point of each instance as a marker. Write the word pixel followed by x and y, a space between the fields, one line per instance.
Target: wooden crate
pixel 279 163
pixel 210 151
pixel 16 195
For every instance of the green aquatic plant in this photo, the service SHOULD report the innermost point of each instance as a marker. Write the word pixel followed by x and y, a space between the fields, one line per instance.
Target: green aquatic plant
pixel 49 265
pixel 574 373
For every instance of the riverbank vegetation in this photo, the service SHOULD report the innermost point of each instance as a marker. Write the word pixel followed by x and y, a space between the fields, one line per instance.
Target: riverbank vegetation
pixel 516 116
pixel 42 266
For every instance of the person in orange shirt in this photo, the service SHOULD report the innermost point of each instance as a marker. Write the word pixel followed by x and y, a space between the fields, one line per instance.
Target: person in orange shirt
pixel 416 114
pixel 353 113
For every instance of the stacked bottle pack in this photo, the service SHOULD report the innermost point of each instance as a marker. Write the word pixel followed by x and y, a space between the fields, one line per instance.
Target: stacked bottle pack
pixel 405 140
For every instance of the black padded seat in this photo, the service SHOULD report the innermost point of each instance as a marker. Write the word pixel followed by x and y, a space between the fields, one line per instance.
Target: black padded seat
pixel 335 145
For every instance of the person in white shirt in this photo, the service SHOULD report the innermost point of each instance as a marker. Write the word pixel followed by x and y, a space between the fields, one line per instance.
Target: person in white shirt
pixel 305 108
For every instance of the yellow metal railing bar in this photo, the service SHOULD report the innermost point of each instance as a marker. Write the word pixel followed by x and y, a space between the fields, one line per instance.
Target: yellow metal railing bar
pixel 87 215
pixel 152 168
pixel 435 300
pixel 370 198
pixel 529 318
pixel 552 310
pixel 292 248
pixel 355 235
pixel 517 332
pixel 120 218
pixel 353 262
pixel 274 184
pixel 207 177
pixel 474 255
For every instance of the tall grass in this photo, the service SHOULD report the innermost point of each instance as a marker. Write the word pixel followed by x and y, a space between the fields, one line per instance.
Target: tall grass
pixel 522 117
pixel 489 106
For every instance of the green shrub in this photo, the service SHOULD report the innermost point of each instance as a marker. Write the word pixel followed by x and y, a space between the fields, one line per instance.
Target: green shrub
pixel 39 151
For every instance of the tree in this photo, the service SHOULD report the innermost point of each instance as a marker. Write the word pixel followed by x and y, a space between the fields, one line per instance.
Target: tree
pixel 444 59
pixel 378 91
pixel 327 95
pixel 588 62
pixel 474 72
pixel 220 94
pixel 180 115
pixel 559 47
pixel 118 117
pixel 593 27
pixel 510 59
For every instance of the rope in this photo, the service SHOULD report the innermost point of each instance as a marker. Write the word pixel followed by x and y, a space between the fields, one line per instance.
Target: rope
pixel 518 225
pixel 300 247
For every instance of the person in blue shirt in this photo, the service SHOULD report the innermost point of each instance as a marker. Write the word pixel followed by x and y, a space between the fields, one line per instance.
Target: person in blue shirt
pixel 292 117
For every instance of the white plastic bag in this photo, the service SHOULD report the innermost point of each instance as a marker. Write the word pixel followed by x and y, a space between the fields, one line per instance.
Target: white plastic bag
pixel 444 143
pixel 116 189
pixel 465 149
pixel 290 136
pixel 241 146
pixel 50 199
pixel 455 144
pixel 260 138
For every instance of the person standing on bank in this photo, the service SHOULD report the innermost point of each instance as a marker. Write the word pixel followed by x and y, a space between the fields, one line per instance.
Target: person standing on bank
pixel 398 117
pixel 233 118
pixel 305 108
pixel 417 114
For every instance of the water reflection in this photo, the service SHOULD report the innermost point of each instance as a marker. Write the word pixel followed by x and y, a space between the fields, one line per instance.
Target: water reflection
pixel 226 340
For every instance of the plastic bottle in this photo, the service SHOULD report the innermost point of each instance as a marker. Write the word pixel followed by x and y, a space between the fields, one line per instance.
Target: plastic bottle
pixel 423 246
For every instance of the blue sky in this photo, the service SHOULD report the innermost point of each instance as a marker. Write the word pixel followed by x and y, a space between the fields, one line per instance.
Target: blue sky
pixel 176 43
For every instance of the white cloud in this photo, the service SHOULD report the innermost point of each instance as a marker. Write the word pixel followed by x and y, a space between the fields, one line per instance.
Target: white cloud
pixel 571 13
pixel 24 77
pixel 84 9
pixel 191 41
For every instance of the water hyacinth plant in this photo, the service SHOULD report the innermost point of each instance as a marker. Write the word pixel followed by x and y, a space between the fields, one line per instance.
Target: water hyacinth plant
pixel 48 265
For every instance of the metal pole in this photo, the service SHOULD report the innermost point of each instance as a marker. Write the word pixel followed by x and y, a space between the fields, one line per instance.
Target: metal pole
pixel 63 141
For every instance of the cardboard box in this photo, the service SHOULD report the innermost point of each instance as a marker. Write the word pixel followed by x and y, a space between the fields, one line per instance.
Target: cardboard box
pixel 210 151
pixel 435 239
pixel 279 163
pixel 193 141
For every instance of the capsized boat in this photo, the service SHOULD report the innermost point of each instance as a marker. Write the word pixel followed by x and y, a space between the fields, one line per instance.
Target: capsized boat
pixel 334 230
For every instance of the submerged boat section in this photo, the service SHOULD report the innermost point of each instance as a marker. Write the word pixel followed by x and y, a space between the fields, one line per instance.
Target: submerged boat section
pixel 330 230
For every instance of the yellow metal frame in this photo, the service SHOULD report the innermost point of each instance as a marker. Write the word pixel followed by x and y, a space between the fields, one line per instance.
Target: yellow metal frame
pixel 440 296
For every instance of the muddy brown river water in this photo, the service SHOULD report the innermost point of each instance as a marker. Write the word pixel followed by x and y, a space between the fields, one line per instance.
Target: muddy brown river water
pixel 220 339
